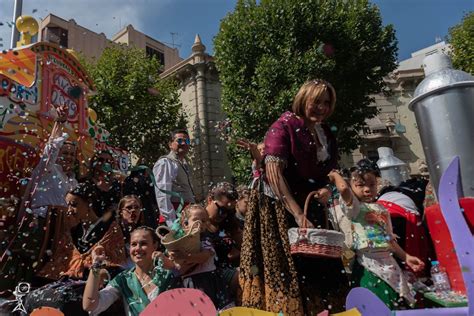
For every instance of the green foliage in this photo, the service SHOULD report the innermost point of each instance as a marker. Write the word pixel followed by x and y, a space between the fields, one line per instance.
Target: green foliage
pixel 138 119
pixel 461 37
pixel 266 51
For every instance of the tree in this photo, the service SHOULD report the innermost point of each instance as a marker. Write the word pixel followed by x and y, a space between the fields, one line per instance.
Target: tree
pixel 135 105
pixel 461 37
pixel 265 52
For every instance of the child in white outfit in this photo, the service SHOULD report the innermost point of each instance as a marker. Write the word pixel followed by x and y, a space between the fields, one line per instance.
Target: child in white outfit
pixel 373 239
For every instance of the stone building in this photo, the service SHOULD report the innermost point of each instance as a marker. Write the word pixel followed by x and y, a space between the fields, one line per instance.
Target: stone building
pixel 395 125
pixel 71 35
pixel 200 94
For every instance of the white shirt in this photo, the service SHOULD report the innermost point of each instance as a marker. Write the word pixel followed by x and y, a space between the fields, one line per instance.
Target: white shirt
pixel 165 171
pixel 53 183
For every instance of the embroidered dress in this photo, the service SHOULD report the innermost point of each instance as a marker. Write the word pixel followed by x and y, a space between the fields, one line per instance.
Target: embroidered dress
pixel 372 234
pixel 270 278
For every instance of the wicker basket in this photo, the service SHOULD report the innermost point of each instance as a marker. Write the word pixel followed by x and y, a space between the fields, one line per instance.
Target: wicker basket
pixel 315 242
pixel 189 243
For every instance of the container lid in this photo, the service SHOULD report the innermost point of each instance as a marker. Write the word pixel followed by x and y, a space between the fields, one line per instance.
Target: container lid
pixel 434 262
pixel 387 159
pixel 439 74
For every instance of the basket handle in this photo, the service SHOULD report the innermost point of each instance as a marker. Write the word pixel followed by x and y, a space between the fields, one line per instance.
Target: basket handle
pixel 195 225
pixel 162 228
pixel 311 195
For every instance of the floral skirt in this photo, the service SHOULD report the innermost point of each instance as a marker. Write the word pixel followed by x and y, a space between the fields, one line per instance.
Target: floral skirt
pixel 271 279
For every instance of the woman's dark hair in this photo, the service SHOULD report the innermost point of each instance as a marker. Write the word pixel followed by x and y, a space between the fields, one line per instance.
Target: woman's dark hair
pixel 152 232
pixel 83 190
pixel 223 189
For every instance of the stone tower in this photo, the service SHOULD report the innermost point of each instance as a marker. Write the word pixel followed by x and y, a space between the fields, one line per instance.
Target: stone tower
pixel 200 94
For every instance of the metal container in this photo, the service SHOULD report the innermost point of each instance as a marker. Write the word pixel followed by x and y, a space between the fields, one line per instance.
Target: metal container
pixel 444 109
pixel 393 171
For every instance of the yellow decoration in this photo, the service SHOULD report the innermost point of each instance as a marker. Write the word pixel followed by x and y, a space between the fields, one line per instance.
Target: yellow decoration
pixel 352 312
pixel 245 311
pixel 72 52
pixel 28 27
pixel 92 114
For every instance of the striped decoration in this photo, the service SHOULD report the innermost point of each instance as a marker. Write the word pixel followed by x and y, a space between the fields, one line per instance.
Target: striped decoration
pixel 19 66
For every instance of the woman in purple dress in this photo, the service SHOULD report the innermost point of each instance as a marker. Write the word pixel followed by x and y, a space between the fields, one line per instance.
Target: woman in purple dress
pixel 299 153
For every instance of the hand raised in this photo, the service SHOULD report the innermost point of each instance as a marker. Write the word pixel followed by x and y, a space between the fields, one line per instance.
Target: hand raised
pixel 98 255
pixel 62 112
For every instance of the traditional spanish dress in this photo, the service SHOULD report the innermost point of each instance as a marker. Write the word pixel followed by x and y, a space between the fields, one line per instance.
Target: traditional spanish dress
pixel 271 279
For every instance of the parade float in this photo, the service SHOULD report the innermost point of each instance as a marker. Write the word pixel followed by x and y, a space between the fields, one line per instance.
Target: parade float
pixel 34 80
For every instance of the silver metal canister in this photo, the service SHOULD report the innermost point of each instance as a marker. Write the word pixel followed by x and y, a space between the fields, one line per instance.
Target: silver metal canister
pixel 392 170
pixel 444 109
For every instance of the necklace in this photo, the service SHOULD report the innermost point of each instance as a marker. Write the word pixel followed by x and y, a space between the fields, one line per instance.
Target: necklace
pixel 145 277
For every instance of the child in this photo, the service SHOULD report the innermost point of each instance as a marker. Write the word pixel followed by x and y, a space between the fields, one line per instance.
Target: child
pixel 373 238
pixel 198 270
pixel 241 205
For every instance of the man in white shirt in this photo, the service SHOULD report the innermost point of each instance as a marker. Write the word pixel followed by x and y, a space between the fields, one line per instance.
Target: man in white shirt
pixel 172 173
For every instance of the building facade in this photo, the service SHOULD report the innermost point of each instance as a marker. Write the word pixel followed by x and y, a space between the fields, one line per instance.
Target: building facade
pixel 71 35
pixel 395 125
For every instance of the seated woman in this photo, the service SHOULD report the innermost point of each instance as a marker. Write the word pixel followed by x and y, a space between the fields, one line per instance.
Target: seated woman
pixel 71 254
pixel 137 286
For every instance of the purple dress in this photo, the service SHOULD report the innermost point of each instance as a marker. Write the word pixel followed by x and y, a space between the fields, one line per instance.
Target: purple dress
pixel 289 138
pixel 270 277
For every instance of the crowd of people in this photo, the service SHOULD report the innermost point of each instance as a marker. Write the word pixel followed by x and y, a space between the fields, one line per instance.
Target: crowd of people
pixel 117 243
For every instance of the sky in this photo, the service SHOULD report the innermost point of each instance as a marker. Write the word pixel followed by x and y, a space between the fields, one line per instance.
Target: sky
pixel 418 23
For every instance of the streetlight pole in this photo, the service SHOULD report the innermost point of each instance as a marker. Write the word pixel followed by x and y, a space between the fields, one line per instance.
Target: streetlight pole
pixel 16 13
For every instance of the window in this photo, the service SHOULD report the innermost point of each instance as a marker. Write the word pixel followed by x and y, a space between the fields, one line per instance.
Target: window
pixel 57 35
pixel 150 52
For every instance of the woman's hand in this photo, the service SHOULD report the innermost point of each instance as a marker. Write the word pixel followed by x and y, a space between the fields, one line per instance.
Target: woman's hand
pixel 246 144
pixel 62 112
pixel 300 220
pixel 251 147
pixel 157 255
pixel 414 263
pixel 323 196
pixel 98 255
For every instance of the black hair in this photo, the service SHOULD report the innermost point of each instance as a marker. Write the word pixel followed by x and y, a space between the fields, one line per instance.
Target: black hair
pixel 365 166
pixel 84 191
pixel 152 232
pixel 177 131
pixel 223 189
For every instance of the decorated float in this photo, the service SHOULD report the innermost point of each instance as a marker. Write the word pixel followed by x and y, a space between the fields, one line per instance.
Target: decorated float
pixel 34 80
